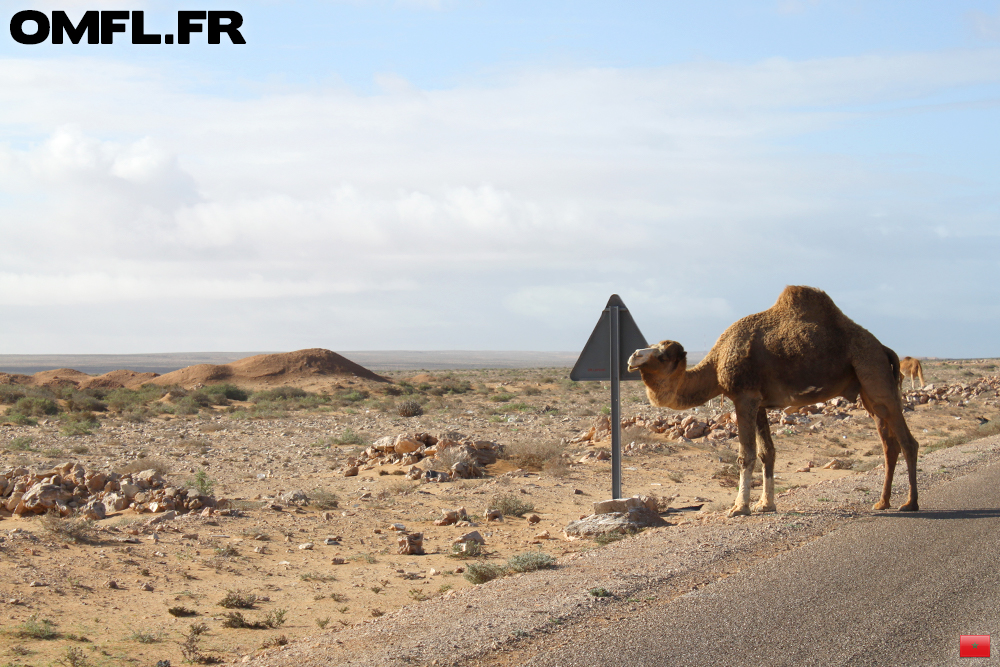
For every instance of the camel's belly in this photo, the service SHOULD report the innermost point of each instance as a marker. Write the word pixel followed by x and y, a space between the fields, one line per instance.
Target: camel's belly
pixel 784 397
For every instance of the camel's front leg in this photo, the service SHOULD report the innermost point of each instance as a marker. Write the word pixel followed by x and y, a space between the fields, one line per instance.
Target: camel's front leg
pixel 766 448
pixel 746 416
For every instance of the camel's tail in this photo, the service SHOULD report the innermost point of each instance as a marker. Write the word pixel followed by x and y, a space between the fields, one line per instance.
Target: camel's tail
pixel 897 373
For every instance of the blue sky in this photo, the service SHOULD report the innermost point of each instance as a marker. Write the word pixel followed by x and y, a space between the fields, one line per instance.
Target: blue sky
pixel 450 174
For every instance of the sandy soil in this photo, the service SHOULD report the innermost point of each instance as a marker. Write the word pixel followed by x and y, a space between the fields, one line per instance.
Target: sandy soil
pixel 107 598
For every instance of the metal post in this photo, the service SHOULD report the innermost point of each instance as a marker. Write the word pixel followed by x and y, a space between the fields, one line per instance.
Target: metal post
pixel 616 420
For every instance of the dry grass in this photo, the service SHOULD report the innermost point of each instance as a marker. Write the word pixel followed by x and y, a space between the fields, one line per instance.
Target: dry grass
pixel 75 530
pixel 145 463
pixel 533 453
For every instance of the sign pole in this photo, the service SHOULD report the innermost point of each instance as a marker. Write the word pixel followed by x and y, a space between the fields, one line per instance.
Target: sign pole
pixel 604 358
pixel 616 418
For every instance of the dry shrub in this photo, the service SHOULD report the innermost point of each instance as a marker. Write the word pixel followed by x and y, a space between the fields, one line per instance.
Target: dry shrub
pixel 533 453
pixel 76 530
pixel 448 457
pixel 145 463
pixel 639 435
pixel 409 409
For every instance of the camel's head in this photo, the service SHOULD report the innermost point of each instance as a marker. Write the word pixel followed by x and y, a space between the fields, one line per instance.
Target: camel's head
pixel 664 357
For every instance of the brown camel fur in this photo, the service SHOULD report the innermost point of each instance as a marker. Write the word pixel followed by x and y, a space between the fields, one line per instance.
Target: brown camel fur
pixel 911 368
pixel 801 350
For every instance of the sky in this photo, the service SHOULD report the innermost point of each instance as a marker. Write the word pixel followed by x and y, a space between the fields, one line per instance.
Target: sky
pixel 485 174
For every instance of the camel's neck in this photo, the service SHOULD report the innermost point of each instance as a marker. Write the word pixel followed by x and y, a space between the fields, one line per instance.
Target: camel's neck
pixel 684 389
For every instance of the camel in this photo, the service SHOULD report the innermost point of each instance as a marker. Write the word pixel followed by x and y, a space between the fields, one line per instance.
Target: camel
pixel 801 350
pixel 911 368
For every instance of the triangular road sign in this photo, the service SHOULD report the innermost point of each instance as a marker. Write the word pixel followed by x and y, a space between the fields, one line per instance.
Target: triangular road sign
pixel 595 359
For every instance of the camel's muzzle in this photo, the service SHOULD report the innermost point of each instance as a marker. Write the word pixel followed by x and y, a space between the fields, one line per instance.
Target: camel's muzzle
pixel 639 357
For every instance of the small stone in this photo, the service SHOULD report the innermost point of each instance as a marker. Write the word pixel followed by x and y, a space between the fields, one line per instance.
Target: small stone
pixel 36 584
pixel 351 471
pixel 474 536
pixel 339 561
pixel 533 518
pixel 111 583
pixel 411 544
pixel 306 546
pixel 146 587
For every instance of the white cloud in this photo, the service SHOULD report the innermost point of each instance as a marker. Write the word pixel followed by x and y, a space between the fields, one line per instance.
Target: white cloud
pixel 534 197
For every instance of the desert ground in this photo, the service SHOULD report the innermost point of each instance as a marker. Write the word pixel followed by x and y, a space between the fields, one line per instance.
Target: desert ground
pixel 300 474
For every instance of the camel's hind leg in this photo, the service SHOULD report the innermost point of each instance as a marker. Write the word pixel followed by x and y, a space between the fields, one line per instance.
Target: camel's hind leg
pixel 765 447
pixel 746 426
pixel 895 436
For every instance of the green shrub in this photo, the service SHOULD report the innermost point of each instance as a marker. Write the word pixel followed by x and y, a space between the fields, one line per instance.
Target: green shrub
pixel 530 561
pixel 34 406
pixel 83 402
pixel 501 398
pixel 480 573
pixel 238 599
pixel 278 394
pixel 21 443
pixel 510 505
pixel 349 437
pixel 36 629
pixel 229 391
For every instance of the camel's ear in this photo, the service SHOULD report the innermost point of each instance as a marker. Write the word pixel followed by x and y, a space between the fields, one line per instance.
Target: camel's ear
pixel 672 355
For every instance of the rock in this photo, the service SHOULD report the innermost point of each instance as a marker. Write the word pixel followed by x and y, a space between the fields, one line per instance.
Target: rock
pixel 96 482
pixel 296 496
pixel 624 504
pixel 614 522
pixel 533 518
pixel 129 490
pixel 544 535
pixel 398 527
pixel 465 470
pixel 41 498
pixel 474 536
pixel 94 511
pixel 406 445
pixel 410 544
pixel 450 517
pixel 114 502
pixel 308 546
pixel 339 561
pixel 695 430
pixel 14 500
pixel 148 479
pixel 603 455
pixel 351 471
pixel 493 515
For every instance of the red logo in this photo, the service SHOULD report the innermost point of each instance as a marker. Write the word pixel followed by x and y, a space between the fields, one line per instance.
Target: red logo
pixel 974 646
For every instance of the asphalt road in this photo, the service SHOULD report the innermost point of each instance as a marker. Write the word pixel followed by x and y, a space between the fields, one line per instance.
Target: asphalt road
pixel 893 589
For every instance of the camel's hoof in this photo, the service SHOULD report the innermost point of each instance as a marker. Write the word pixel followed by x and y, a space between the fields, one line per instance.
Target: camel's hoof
pixel 880 505
pixel 763 509
pixel 739 511
pixel 909 507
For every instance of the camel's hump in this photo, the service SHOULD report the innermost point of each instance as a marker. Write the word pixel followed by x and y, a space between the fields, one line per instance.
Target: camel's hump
pixel 806 302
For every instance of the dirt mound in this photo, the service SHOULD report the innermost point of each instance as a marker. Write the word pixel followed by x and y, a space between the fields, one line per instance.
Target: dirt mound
pixel 271 369
pixel 15 378
pixel 117 380
pixel 60 377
